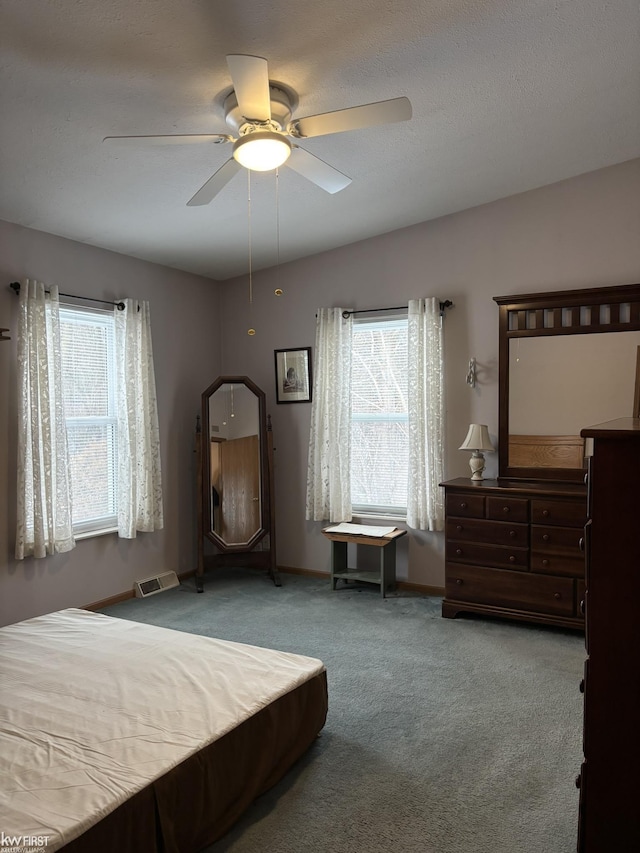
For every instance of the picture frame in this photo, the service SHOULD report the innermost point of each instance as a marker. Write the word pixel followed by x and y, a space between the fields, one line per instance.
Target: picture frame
pixel 293 375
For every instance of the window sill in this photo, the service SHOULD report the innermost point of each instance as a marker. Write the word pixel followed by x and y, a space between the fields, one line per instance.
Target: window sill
pixel 89 534
pixel 370 516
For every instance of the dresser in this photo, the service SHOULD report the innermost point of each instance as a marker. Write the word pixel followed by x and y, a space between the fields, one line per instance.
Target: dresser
pixel 515 549
pixel 609 816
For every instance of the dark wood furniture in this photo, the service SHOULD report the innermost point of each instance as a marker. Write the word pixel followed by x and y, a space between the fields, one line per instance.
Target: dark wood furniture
pixel 525 564
pixel 530 567
pixel 568 313
pixel 609 816
pixel 514 549
pixel 235 486
pixel 384 577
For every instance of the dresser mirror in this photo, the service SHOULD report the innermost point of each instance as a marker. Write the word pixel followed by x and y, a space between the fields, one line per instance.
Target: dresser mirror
pixel 235 478
pixel 567 360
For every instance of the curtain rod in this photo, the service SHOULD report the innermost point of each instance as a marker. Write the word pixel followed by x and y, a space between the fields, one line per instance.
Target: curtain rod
pixel 443 305
pixel 15 285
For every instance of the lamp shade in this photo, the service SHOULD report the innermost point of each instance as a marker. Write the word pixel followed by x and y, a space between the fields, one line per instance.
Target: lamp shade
pixel 477 438
pixel 262 150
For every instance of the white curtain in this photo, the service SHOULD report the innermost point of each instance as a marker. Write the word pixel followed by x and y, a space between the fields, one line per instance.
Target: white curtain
pixel 329 470
pixel 425 509
pixel 139 474
pixel 44 521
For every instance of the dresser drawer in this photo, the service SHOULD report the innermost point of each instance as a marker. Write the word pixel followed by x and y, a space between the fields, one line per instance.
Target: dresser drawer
pixel 523 591
pixel 556 564
pixel 480 530
pixel 583 687
pixel 581 595
pixel 564 513
pixel 465 506
pixel 582 784
pixel 488 555
pixel 508 509
pixel 557 540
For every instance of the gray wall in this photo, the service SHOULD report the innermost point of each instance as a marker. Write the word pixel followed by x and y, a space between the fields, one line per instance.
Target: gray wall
pixel 578 233
pixel 185 320
pixel 582 232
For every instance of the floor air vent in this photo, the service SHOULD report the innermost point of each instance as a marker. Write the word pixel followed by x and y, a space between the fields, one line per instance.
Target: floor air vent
pixel 149 586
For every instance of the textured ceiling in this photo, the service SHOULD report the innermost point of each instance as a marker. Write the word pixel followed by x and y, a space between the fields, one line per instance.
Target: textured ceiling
pixel 507 95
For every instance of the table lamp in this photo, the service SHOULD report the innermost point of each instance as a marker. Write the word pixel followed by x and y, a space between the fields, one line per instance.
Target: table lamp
pixel 477 440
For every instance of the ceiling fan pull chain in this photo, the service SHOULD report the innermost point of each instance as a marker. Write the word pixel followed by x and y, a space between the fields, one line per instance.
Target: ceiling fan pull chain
pixel 249 232
pixel 278 291
pixel 250 331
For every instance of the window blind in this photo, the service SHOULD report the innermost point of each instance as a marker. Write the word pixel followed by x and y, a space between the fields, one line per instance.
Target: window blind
pixel 88 364
pixel 379 417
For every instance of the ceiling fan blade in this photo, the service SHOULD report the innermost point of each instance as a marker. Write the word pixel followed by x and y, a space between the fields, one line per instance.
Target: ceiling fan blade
pixel 216 182
pixel 353 118
pixel 317 171
pixel 250 76
pixel 172 139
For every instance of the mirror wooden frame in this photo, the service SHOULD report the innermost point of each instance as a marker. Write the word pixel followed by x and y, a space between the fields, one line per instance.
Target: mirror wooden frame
pixel 245 553
pixel 636 397
pixel 568 312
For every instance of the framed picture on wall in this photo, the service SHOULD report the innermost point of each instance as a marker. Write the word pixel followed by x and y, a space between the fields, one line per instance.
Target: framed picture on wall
pixel 293 375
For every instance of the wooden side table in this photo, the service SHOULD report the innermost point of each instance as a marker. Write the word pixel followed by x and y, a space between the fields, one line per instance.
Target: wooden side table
pixel 385 577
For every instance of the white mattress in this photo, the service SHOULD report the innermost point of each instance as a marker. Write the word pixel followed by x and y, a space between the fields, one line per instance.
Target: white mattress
pixel 95 708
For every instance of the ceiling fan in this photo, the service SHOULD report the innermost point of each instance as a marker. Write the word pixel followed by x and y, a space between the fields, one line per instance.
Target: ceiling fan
pixel 260 114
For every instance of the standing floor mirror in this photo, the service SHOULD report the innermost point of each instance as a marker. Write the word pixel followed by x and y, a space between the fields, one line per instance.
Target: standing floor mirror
pixel 234 448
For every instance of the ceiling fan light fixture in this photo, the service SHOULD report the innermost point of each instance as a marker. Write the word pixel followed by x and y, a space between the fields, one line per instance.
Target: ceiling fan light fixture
pixel 262 150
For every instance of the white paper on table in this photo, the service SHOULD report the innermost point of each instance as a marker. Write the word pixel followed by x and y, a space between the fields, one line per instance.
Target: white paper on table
pixel 360 529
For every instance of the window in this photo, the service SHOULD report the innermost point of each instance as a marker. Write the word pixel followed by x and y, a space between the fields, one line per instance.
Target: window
pixel 89 381
pixel 379 416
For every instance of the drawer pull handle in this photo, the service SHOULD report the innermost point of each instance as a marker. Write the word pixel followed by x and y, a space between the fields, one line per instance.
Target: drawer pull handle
pixel 557 596
pixel 545 537
pixel 505 509
pixel 459 581
pixel 586 479
pixel 545 562
pixel 581 688
pixel 512 559
pixel 463 505
pixel 581 544
pixel 459 527
pixel 545 512
pixel 513 533
pixel 582 607
pixel 459 551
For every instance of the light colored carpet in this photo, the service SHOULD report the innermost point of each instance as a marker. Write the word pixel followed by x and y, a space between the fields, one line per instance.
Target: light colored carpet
pixel 443 736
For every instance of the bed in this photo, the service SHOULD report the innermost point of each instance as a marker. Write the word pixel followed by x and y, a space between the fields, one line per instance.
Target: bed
pixel 120 736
